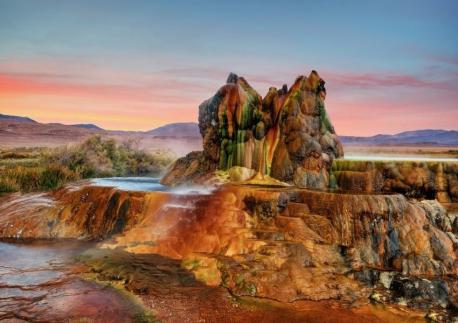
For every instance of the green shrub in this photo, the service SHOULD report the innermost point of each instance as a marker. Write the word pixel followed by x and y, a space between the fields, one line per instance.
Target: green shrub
pixel 55 176
pixel 95 157
pixel 98 157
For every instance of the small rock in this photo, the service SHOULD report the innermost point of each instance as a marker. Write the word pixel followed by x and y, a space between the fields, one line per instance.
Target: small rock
pixel 385 278
pixel 240 174
pixel 433 317
pixel 376 298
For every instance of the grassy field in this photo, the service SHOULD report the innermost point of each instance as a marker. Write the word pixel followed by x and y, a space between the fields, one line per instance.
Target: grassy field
pixel 37 169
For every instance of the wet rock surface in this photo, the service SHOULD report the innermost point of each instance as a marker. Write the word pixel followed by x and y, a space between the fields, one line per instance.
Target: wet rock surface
pixel 39 283
pixel 76 211
pixel 175 295
pixel 423 180
pixel 286 135
pixel 78 282
pixel 285 244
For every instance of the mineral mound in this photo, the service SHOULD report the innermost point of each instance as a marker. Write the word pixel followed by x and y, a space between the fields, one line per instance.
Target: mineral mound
pixel 286 135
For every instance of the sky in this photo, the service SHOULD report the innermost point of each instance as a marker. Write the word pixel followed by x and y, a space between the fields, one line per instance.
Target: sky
pixel 389 66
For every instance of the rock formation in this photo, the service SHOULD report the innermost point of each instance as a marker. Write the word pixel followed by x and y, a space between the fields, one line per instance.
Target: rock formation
pixel 286 135
pixel 285 244
pixel 414 179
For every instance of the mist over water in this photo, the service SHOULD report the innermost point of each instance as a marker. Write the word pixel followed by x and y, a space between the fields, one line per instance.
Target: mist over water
pixel 149 184
pixel 192 190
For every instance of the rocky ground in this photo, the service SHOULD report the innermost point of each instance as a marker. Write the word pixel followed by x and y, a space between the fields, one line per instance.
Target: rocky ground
pixel 415 179
pixel 44 281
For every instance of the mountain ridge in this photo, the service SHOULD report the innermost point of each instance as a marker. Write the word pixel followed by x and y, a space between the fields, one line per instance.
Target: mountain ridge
pixel 187 129
pixel 435 137
pixel 439 137
pixel 7 117
pixel 87 126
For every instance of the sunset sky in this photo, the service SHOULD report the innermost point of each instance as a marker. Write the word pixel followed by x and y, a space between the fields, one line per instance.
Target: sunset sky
pixel 389 66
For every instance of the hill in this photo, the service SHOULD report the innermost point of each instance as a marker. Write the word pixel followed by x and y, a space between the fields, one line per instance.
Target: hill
pixel 21 133
pixel 431 137
pixel 177 130
pixel 90 126
pixel 16 131
pixel 5 117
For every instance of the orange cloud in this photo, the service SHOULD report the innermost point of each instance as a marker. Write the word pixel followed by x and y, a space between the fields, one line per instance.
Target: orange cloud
pixel 358 104
pixel 111 106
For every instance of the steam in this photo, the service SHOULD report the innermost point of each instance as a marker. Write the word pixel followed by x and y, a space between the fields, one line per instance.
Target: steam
pixel 192 190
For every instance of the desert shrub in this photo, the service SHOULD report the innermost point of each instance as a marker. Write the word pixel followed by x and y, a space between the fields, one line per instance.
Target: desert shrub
pixel 55 176
pixel 46 169
pixel 98 157
pixel 27 178
pixel 14 155
pixel 8 185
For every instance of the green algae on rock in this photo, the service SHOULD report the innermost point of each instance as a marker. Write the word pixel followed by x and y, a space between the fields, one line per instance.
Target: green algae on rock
pixel 286 135
pixel 283 243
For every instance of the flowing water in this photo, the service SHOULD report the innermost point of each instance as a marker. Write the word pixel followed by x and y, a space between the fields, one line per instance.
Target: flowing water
pixel 69 280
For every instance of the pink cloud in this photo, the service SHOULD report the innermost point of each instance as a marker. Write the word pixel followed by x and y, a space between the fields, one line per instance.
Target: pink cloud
pixel 374 80
pixel 362 115
pixel 358 103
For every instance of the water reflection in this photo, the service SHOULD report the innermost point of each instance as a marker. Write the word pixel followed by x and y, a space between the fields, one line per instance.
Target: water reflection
pixel 131 183
pixel 39 283
pixel 149 184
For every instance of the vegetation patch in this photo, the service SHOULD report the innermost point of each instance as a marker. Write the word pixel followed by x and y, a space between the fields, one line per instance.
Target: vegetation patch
pixel 40 169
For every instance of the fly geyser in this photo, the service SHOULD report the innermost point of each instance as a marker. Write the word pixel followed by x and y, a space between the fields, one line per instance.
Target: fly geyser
pixel 385 241
pixel 286 135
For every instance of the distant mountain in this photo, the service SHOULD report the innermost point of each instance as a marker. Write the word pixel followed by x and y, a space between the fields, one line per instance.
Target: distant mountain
pixel 90 126
pixel 5 117
pixel 427 137
pixel 417 137
pixel 177 130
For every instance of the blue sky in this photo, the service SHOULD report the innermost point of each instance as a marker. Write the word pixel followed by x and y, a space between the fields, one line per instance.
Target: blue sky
pixel 392 61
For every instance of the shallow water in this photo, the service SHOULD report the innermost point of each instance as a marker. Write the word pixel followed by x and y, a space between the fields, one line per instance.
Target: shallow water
pixel 148 184
pixel 131 183
pixel 40 283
